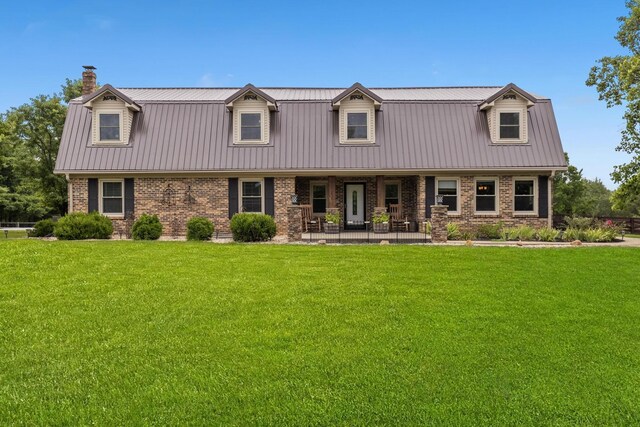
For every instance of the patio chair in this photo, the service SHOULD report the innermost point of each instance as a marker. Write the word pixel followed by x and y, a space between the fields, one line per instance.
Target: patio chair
pixel 308 219
pixel 398 221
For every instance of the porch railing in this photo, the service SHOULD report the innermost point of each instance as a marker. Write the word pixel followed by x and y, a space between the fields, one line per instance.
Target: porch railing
pixel 365 232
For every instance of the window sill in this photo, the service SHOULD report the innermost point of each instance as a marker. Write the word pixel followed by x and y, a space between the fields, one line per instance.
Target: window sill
pixel 250 143
pixel 110 144
pixel 525 213
pixel 487 214
pixel 114 216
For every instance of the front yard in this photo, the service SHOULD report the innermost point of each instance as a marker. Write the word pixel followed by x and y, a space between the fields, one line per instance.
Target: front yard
pixel 121 333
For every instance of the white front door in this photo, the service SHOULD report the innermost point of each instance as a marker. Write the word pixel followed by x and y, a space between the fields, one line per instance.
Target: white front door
pixel 354 195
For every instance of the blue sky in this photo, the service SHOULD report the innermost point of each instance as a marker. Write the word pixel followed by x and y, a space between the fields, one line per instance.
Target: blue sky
pixel 546 47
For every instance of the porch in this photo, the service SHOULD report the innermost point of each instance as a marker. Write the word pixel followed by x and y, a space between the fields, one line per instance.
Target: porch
pixel 356 200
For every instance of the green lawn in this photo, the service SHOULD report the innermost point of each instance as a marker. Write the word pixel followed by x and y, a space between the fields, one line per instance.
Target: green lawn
pixel 13 234
pixel 169 333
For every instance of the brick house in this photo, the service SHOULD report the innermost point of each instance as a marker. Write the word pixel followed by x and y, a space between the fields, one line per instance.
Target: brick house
pixel 490 152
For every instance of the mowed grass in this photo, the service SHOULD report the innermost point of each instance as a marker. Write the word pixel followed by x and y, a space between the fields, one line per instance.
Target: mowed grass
pixel 169 333
pixel 13 234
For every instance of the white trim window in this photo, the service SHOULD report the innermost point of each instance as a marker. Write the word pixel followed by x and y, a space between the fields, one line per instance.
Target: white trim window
pixel 251 197
pixel 357 125
pixel 110 126
pixel 448 189
pixel 111 197
pixel 319 198
pixel 509 125
pixel 524 195
pixel 486 190
pixel 251 126
pixel 392 194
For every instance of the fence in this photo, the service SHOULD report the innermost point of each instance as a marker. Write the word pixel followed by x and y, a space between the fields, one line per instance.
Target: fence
pixel 17 224
pixel 630 224
pixel 364 232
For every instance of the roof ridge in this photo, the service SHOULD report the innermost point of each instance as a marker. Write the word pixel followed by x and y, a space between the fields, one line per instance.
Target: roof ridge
pixel 315 87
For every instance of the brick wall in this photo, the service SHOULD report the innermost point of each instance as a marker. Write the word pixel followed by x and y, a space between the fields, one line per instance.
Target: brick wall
pixel 175 200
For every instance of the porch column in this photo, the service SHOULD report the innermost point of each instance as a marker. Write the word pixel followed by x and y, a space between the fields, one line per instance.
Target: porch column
pixel 294 223
pixel 439 219
pixel 380 191
pixel 331 192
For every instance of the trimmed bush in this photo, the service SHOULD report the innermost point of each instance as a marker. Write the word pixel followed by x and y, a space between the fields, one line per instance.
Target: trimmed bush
pixel 81 226
pixel 43 228
pixel 147 227
pixel 251 227
pixel 199 228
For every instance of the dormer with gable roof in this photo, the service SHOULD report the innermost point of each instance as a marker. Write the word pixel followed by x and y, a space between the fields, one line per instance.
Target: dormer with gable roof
pixel 112 115
pixel 251 109
pixel 356 107
pixel 507 116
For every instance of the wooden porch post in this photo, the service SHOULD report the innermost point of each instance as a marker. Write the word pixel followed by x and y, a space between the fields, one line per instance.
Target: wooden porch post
pixel 380 191
pixel 331 192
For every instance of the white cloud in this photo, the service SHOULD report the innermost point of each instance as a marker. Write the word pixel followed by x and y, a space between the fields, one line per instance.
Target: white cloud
pixel 206 80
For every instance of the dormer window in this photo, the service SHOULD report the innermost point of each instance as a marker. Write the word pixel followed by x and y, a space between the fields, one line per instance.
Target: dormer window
pixel 250 127
pixel 510 125
pixel 110 127
pixel 357 124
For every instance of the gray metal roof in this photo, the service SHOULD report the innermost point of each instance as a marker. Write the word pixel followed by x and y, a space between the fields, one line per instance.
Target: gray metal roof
pixel 189 130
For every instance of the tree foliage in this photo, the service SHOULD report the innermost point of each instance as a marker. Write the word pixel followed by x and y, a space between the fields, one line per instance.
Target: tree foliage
pixel 29 140
pixel 575 195
pixel 617 80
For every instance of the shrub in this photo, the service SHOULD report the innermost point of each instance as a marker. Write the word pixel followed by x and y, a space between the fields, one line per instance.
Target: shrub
pixel 468 235
pixel 251 227
pixel 43 228
pixel 579 223
pixel 453 231
pixel 147 227
pixel 509 233
pixel 427 227
pixel 547 234
pixel 490 231
pixel 80 226
pixel 571 234
pixel 199 228
pixel 526 233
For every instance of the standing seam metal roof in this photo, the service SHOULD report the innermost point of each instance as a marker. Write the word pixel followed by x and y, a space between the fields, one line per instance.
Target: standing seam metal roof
pixel 180 130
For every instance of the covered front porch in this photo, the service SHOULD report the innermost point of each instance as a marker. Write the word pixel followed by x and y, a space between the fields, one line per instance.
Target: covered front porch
pixel 357 200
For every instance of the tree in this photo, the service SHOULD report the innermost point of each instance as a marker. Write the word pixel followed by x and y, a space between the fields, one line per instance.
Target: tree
pixel 29 140
pixel 617 80
pixel 568 190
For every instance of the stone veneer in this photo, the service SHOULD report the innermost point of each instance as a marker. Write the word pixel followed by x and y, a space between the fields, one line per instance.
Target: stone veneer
pixel 168 198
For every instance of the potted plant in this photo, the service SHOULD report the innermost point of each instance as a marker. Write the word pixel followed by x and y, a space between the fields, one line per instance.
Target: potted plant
pixel 332 222
pixel 381 222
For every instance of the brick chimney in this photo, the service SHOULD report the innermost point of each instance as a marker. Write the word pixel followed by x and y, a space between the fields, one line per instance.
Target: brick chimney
pixel 88 79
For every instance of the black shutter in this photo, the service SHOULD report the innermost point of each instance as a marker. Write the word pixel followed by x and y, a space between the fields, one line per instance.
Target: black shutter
pixel 233 197
pixel 269 204
pixel 430 183
pixel 543 196
pixel 129 203
pixel 93 194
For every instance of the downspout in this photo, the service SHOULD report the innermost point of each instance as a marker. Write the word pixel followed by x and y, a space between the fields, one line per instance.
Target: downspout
pixel 550 197
pixel 69 194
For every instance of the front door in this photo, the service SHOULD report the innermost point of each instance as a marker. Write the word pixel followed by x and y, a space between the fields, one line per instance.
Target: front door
pixel 354 203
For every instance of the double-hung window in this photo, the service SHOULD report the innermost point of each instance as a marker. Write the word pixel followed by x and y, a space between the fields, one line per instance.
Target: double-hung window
pixel 510 125
pixel 111 198
pixel 357 125
pixel 524 195
pixel 319 198
pixel 250 127
pixel 251 196
pixel 448 189
pixel 109 124
pixel 391 194
pixel 486 195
